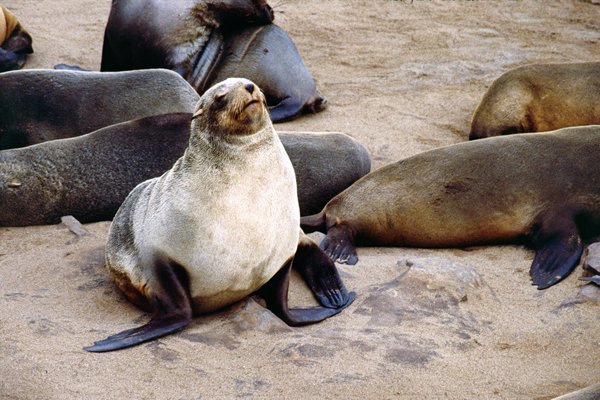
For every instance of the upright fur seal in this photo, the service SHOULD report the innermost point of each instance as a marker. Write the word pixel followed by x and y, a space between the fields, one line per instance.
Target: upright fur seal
pixel 540 97
pixel 89 176
pixel 214 40
pixel 219 225
pixel 41 105
pixel 534 188
pixel 15 42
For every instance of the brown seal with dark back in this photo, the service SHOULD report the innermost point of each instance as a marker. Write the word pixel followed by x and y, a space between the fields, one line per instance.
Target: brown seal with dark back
pixel 539 188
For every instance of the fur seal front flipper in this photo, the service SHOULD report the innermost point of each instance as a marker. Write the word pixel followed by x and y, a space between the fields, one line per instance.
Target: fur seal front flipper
pixel 171 306
pixel 320 274
pixel 558 250
pixel 275 293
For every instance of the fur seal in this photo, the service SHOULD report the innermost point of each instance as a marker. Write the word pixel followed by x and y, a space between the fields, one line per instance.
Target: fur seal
pixel 89 176
pixel 42 105
pixel 224 223
pixel 15 42
pixel 537 98
pixel 537 188
pixel 213 41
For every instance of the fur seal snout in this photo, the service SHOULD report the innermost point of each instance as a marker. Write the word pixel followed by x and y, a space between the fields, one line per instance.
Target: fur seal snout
pixel 218 226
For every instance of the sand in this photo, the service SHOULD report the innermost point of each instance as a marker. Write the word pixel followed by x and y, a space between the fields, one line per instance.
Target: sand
pixel 402 77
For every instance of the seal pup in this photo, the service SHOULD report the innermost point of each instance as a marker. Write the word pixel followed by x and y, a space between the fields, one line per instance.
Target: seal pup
pixel 210 43
pixel 42 105
pixel 537 188
pixel 218 226
pixel 89 176
pixel 15 42
pixel 540 97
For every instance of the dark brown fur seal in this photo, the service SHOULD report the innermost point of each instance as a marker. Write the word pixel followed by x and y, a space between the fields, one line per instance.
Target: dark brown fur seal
pixel 15 42
pixel 41 105
pixel 89 176
pixel 224 223
pixel 214 40
pixel 540 189
pixel 538 98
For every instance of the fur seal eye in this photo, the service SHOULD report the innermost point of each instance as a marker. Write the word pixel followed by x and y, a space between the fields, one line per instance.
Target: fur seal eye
pixel 13 183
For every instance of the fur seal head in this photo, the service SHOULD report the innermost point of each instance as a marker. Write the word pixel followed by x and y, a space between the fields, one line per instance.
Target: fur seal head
pixel 233 107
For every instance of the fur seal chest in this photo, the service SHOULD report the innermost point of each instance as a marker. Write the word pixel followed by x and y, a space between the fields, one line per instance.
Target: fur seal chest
pixel 218 226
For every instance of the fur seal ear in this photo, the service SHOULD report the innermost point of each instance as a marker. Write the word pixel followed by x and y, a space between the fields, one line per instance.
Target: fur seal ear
pixel 14 183
pixel 198 113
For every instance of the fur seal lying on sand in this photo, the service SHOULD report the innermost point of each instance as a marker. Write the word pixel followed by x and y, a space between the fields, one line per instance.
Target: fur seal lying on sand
pixel 214 40
pixel 218 226
pixel 41 105
pixel 540 189
pixel 89 176
pixel 15 42
pixel 537 98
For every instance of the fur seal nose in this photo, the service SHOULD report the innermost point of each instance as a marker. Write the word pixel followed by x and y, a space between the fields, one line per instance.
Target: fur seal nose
pixel 250 87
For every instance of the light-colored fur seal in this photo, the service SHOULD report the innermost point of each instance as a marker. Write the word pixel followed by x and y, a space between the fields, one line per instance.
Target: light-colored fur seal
pixel 537 98
pixel 538 188
pixel 41 105
pixel 220 225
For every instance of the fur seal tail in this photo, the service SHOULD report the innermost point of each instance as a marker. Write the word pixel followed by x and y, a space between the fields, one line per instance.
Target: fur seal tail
pixel 314 223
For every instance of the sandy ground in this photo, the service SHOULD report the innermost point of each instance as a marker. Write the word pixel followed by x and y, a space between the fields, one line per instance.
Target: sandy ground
pixel 401 77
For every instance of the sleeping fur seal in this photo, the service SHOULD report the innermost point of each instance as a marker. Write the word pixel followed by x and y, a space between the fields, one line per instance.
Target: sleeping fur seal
pixel 89 176
pixel 211 43
pixel 537 98
pixel 538 188
pixel 218 226
pixel 15 42
pixel 42 105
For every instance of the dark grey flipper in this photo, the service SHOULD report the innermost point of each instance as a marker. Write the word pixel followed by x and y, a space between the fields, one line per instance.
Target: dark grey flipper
pixel 172 311
pixel 339 245
pixel 558 250
pixel 320 274
pixel 206 61
pixel 275 293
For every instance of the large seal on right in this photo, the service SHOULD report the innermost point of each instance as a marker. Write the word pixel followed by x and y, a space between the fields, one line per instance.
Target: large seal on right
pixel 539 188
pixel 538 98
pixel 222 223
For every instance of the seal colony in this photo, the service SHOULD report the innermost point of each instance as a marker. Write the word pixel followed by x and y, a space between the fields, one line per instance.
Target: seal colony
pixel 15 42
pixel 541 97
pixel 534 188
pixel 206 41
pixel 89 176
pixel 218 226
pixel 41 105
